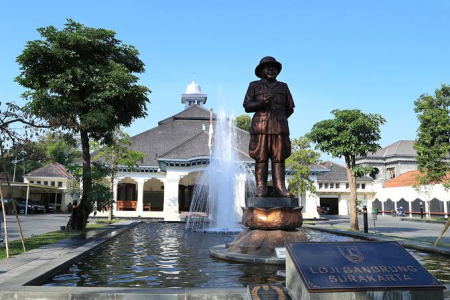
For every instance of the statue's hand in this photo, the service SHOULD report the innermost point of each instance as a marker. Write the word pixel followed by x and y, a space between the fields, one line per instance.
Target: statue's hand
pixel 267 101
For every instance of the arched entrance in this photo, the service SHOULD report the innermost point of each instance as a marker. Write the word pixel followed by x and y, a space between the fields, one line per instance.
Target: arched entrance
pixel 127 195
pixel 153 195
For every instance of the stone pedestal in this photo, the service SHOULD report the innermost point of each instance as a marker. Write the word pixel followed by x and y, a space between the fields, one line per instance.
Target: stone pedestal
pixel 270 223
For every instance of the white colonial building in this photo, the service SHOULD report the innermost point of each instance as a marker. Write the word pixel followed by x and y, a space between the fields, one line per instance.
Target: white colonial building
pixel 395 180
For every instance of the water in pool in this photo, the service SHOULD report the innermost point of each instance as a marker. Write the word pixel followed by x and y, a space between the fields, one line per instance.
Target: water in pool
pixel 164 255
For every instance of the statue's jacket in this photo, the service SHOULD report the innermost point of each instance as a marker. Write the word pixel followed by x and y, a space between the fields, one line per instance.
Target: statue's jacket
pixel 271 119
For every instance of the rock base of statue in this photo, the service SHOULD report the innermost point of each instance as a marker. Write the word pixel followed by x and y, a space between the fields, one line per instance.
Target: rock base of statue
pixel 263 242
pixel 270 223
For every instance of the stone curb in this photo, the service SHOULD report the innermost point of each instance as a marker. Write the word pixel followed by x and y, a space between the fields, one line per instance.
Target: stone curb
pixel 221 252
pixel 96 293
pixel 421 221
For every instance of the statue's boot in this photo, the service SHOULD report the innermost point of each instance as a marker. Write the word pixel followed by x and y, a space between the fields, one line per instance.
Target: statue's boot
pixel 278 177
pixel 261 170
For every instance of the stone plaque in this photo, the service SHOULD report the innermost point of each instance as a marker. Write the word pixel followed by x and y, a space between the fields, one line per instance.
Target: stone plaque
pixel 357 266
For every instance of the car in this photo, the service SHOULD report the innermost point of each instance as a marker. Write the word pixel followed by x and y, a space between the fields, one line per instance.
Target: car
pixel 37 207
pixel 49 208
pixel 21 207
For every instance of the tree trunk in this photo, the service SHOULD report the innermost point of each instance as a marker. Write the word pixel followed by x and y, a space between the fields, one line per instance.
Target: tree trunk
pixel 11 190
pixel 442 232
pixel 353 196
pixel 6 223
pixel 80 214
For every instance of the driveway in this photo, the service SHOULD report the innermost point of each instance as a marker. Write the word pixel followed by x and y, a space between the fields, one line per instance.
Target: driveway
pixel 33 224
pixel 388 225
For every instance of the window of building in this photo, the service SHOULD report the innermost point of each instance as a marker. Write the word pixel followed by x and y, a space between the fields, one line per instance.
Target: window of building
pixel 59 184
pixel 363 186
pixel 320 185
pixel 38 182
pixel 337 185
pixel 326 185
pixel 331 185
pixel 32 181
pixel 45 182
pixel 52 183
pixel 391 173
pixel 358 185
pixel 347 185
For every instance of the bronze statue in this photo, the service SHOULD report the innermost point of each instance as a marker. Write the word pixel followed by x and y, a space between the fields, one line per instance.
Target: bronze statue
pixel 272 103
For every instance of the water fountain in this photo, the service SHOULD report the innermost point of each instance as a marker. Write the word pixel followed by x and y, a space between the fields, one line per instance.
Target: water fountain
pixel 215 192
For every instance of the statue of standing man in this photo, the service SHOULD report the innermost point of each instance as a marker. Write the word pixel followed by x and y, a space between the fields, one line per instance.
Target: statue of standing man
pixel 272 103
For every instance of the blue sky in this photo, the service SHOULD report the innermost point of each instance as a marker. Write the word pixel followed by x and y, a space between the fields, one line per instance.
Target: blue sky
pixel 377 56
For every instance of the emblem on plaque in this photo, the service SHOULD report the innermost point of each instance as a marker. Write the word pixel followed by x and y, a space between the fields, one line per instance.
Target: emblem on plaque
pixel 266 292
pixel 351 253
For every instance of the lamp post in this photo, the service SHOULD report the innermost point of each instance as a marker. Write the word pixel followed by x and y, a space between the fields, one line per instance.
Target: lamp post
pixel 15 161
pixel 366 222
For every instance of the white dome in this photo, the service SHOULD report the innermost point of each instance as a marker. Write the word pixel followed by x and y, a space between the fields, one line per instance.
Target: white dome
pixel 193 88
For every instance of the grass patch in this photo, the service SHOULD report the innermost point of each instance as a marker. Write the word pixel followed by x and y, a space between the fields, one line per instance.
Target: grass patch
pixel 105 221
pixel 34 242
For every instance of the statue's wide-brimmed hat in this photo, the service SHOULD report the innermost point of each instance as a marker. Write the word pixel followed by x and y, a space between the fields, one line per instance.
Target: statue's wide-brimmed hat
pixel 264 61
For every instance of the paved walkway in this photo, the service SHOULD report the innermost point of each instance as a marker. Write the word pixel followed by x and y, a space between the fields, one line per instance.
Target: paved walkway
pixel 391 226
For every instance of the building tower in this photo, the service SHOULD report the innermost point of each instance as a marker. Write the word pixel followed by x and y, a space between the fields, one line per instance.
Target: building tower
pixel 193 95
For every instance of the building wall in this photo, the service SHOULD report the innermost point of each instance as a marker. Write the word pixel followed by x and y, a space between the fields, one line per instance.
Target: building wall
pixel 64 185
pixel 170 182
pixel 399 164
pixel 310 201
pixel 410 195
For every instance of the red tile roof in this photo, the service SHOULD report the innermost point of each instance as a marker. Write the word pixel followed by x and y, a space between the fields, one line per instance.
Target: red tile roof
pixel 406 179
pixel 50 170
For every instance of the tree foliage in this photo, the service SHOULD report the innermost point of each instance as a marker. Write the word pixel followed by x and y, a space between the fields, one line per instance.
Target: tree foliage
pixel 302 156
pixel 29 155
pixel 433 136
pixel 243 122
pixel 118 153
pixel 81 79
pixel 349 134
pixel 433 143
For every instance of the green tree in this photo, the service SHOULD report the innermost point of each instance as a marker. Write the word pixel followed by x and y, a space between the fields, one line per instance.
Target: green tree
pixel 433 143
pixel 116 154
pixel 59 148
pixel 29 155
pixel 243 122
pixel 82 80
pixel 302 156
pixel 349 134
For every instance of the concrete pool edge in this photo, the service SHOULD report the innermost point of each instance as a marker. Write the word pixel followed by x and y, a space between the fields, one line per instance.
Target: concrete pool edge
pixel 413 244
pixel 105 293
pixel 220 251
